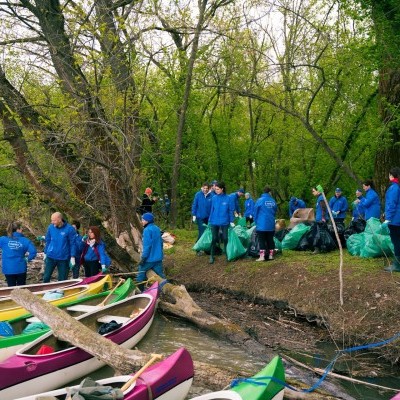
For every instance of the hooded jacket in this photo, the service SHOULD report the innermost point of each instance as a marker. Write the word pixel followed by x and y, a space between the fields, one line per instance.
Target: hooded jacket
pixel 201 205
pixel 222 210
pixel 152 243
pixel 249 207
pixel 60 242
pixel 264 213
pixel 340 205
pixel 392 204
pixel 371 204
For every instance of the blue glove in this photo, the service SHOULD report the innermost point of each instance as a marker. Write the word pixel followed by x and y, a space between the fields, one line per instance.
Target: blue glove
pixel 26 260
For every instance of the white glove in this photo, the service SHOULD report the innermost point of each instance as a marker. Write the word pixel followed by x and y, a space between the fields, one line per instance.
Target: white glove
pixel 194 218
pixel 103 269
pixel 44 256
pixel 385 222
pixel 72 261
pixel 232 224
pixel 335 213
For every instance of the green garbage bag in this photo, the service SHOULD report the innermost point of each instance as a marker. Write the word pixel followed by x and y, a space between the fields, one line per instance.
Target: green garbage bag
pixel 234 249
pixel 204 243
pixel 243 235
pixel 376 245
pixel 292 238
pixel 354 243
pixel 373 226
pixel 278 245
pixel 241 221
pixel 35 327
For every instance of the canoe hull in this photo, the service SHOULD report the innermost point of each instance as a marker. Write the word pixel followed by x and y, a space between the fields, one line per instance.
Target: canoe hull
pixel 26 372
pixel 170 379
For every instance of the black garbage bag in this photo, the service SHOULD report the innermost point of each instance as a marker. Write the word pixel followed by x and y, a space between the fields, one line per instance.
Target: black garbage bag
pixel 281 234
pixel 254 247
pixel 340 229
pixel 355 226
pixel 306 242
pixel 322 239
pixel 108 327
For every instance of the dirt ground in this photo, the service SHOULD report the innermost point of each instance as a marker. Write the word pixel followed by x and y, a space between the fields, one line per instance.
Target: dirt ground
pixel 292 303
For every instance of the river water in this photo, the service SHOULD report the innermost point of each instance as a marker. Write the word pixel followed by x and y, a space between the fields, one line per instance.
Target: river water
pixel 167 334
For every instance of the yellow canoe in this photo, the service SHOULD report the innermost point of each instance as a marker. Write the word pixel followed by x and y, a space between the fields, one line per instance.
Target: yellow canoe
pixel 9 309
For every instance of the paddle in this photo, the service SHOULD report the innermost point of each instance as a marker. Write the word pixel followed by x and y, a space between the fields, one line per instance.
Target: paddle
pixel 154 357
pixel 103 303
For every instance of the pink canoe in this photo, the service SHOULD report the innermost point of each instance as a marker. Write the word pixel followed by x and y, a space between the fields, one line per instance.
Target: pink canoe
pixel 169 379
pixel 30 371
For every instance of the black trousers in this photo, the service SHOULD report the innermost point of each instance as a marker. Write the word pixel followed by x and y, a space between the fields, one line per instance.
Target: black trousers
pixel 395 237
pixel 91 268
pixel 266 240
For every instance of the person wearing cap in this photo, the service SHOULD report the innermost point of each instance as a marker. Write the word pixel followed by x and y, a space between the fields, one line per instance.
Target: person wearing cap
pixel 294 204
pixel 248 208
pixel 221 216
pixel 392 216
pixel 201 207
pixel 264 216
pixel 358 209
pixel 152 254
pixel 371 202
pixel 235 201
pixel 320 207
pixel 338 205
pixel 147 201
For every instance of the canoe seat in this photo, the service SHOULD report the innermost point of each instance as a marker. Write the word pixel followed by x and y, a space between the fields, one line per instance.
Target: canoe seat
pixel 108 318
pixel 33 319
pixel 82 308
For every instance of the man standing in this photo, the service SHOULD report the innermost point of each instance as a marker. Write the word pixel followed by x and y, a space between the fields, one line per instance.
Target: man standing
pixel 60 248
pixel 294 204
pixel 201 207
pixel 338 205
pixel 234 197
pixel 152 255
pixel 78 249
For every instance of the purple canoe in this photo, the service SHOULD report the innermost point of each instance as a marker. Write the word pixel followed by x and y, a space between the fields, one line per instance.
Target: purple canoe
pixel 28 372
pixel 169 379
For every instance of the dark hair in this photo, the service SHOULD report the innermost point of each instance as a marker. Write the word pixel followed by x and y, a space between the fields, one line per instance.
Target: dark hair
pixel 96 231
pixel 267 189
pixel 205 184
pixel 221 185
pixel 369 182
pixel 395 172
pixel 13 227
pixel 77 224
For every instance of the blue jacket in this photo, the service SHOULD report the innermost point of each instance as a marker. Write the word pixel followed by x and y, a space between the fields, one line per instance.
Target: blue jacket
pixel 320 209
pixel 392 204
pixel 371 204
pixel 339 204
pixel 249 207
pixel 79 244
pixel 221 210
pixel 294 205
pixel 14 249
pixel 234 198
pixel 201 205
pixel 264 213
pixel 358 209
pixel 60 242
pixel 152 244
pixel 97 252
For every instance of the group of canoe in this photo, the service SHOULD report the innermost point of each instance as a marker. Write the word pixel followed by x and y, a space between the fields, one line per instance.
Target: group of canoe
pixel 34 362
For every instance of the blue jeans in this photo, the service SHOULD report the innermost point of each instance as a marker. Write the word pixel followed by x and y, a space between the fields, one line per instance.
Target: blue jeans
pixel 51 264
pixel 156 266
pixel 200 226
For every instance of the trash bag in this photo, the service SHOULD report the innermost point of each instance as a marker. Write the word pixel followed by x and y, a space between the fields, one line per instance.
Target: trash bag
pixel 376 245
pixel 292 239
pixel 306 241
pixel 234 249
pixel 204 243
pixel 278 245
pixel 373 226
pixel 53 294
pixel 340 229
pixel 323 239
pixel 355 226
pixel 108 327
pixel 355 243
pixel 281 234
pixel 253 250
pixel 91 390
pixel 241 221
pixel 6 329
pixel 242 235
pixel 35 327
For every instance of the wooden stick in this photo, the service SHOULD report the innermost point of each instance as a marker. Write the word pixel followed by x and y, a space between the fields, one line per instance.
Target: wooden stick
pixel 154 357
pixel 103 303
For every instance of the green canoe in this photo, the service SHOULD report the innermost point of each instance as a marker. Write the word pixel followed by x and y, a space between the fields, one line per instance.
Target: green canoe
pixel 10 344
pixel 258 387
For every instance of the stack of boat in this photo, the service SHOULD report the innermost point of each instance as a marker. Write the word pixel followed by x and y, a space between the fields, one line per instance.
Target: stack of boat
pixel 34 364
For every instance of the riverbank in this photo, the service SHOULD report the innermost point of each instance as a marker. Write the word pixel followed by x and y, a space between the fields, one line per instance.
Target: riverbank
pixel 293 301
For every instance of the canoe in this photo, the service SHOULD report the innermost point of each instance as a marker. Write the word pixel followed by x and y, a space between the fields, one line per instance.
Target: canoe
pixel 10 344
pixel 28 372
pixel 397 397
pixel 169 379
pixel 258 387
pixel 9 309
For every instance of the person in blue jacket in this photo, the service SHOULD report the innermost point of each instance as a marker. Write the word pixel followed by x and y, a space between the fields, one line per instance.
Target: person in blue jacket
pixel 358 209
pixel 370 203
pixel 294 204
pixel 201 207
pixel 79 243
pixel 321 213
pixel 392 216
pixel 248 208
pixel 235 196
pixel 221 216
pixel 17 251
pixel 94 257
pixel 264 215
pixel 152 254
pixel 59 249
pixel 338 205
